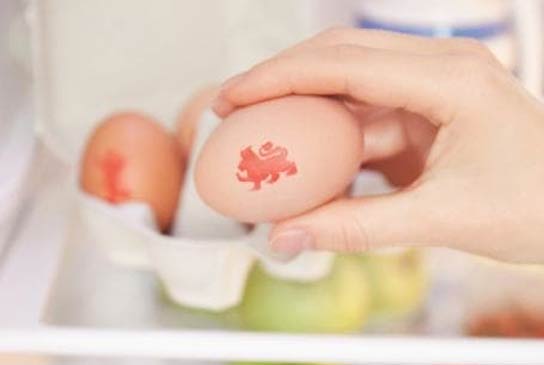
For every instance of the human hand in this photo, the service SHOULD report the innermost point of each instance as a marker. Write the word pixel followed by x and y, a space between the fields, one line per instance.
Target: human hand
pixel 481 184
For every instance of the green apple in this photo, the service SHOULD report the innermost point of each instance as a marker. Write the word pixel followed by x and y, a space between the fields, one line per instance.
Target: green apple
pixel 399 282
pixel 338 303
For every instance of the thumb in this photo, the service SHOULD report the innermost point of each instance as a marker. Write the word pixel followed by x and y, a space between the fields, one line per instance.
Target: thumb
pixel 354 225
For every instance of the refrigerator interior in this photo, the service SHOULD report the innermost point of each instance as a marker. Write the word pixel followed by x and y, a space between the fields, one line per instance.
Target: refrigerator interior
pixel 63 301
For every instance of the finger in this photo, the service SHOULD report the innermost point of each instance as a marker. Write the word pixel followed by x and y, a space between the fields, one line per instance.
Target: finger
pixel 384 135
pixel 402 169
pixel 356 225
pixel 393 41
pixel 381 40
pixel 388 132
pixel 424 85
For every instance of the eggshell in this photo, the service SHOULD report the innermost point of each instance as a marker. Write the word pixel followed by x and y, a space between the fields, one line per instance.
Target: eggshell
pixel 130 157
pixel 279 158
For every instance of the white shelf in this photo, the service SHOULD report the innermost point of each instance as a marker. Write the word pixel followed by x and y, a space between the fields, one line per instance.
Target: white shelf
pixel 214 345
pixel 32 259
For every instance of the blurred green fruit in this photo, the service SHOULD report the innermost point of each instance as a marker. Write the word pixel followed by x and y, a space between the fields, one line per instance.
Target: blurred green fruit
pixel 399 282
pixel 338 303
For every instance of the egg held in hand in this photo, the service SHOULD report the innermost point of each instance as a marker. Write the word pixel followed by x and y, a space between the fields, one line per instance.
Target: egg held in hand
pixel 130 157
pixel 279 158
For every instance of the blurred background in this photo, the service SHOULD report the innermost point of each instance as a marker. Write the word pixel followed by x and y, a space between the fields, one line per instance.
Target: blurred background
pixel 158 56
pixel 65 64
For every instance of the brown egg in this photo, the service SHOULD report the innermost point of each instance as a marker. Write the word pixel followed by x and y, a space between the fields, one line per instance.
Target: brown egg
pixel 130 157
pixel 279 158
pixel 191 114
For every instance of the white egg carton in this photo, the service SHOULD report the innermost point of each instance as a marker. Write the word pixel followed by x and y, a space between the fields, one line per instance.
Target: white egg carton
pixel 17 142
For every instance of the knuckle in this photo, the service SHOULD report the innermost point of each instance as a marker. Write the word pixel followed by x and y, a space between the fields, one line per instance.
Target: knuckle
pixel 333 33
pixel 353 235
pixel 469 64
pixel 471 45
pixel 469 77
pixel 474 68
pixel 476 49
pixel 268 65
pixel 345 51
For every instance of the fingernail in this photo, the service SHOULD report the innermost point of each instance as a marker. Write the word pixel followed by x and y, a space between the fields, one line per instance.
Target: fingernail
pixel 292 240
pixel 221 107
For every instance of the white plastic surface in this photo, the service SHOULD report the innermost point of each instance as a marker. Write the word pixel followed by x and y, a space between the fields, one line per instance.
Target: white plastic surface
pixel 16 156
pixel 96 57
pixel 240 346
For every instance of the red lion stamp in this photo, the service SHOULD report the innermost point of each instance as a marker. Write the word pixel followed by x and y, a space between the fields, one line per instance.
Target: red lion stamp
pixel 266 166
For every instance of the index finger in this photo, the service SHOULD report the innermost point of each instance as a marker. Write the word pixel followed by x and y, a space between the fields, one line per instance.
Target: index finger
pixel 423 84
pixel 393 41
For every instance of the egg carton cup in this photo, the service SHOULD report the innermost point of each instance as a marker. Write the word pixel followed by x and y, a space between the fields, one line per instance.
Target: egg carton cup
pixel 303 267
pixel 122 232
pixel 204 274
pixel 199 273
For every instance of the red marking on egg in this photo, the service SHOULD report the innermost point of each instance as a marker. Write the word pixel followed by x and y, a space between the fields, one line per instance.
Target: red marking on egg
pixel 112 165
pixel 264 166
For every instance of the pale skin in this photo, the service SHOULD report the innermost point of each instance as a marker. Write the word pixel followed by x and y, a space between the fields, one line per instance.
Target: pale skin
pixel 471 137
